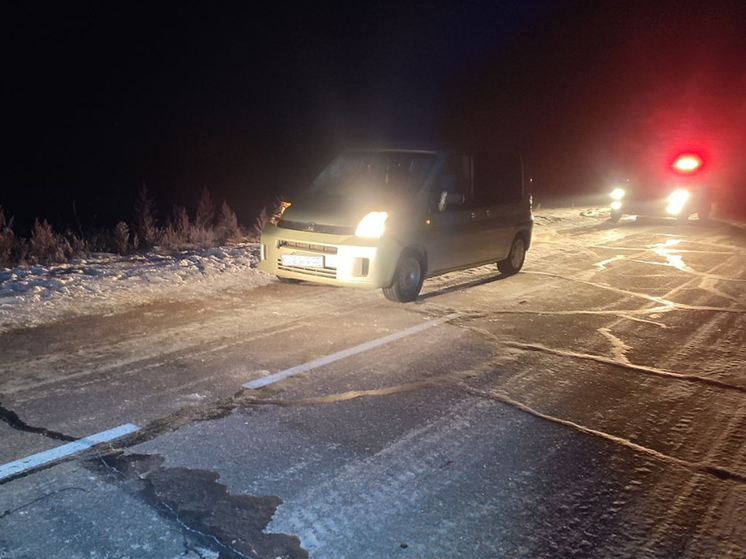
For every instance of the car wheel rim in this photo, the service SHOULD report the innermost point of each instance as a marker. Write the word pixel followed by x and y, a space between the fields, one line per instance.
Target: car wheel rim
pixel 519 252
pixel 409 275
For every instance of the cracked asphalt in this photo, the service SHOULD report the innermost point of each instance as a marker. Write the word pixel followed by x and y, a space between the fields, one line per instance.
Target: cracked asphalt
pixel 592 406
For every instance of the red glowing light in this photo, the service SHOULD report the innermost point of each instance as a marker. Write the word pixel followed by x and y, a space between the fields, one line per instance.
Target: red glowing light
pixel 687 164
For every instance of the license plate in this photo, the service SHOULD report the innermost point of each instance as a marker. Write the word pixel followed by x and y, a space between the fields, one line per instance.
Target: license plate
pixel 302 261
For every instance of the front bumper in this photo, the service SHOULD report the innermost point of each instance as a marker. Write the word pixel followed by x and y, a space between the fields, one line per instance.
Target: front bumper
pixel 347 260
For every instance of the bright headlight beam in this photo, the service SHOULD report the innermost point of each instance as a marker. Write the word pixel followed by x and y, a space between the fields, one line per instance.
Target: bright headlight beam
pixel 617 193
pixel 372 225
pixel 616 205
pixel 676 201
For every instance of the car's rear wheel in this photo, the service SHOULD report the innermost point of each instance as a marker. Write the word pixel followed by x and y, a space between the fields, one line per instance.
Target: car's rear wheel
pixel 288 280
pixel 408 279
pixel 514 262
pixel 615 216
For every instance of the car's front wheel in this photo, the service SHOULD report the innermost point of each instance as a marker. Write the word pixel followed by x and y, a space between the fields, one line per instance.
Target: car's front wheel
pixel 408 279
pixel 514 262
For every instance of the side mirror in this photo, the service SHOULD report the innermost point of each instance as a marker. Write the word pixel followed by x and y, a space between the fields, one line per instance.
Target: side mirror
pixel 449 199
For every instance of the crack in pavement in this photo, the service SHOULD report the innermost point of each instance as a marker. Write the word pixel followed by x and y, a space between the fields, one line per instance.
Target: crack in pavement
pixel 38 499
pixel 14 421
pixel 687 377
pixel 453 380
pixel 700 467
pixel 665 304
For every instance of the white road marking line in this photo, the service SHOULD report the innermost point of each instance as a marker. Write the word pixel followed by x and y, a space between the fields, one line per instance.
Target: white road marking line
pixel 282 375
pixel 42 458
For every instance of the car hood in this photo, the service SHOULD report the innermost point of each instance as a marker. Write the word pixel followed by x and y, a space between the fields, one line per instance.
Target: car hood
pixel 339 211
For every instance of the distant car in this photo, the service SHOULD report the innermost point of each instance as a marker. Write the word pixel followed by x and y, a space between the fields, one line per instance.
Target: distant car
pixel 389 218
pixel 679 197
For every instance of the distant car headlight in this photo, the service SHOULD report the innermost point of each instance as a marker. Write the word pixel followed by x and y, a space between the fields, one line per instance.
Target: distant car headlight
pixel 676 201
pixel 616 205
pixel 617 193
pixel 372 225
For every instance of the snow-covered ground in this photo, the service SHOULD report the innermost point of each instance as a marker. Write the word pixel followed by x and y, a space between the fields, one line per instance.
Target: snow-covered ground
pixel 106 283
pixel 103 283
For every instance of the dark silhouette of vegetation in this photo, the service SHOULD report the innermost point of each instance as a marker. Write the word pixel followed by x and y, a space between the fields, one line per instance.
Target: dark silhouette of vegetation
pixel 47 246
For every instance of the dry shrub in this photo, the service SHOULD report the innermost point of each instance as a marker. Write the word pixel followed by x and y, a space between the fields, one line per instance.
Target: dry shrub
pixel 122 238
pixel 205 217
pixel 79 247
pixel 180 223
pixel 227 227
pixel 255 232
pixel 144 219
pixel 8 241
pixel 259 222
pixel 46 246
pixel 203 238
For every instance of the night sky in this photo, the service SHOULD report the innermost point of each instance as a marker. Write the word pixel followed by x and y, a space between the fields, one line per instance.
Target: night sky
pixel 252 103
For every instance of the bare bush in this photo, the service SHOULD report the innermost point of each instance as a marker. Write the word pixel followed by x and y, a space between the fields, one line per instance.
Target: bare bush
pixel 144 219
pixel 46 246
pixel 79 247
pixel 203 238
pixel 176 233
pixel 100 240
pixel 8 241
pixel 259 222
pixel 122 237
pixel 227 227
pixel 180 222
pixel 205 218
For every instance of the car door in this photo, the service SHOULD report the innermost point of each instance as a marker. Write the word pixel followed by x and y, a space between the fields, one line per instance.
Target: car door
pixel 498 192
pixel 452 229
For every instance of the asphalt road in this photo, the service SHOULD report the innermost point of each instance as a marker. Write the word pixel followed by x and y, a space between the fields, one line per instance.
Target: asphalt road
pixel 592 406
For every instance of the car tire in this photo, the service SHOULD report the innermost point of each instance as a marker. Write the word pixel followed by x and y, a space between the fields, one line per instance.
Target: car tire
pixel 408 279
pixel 516 257
pixel 615 216
pixel 288 280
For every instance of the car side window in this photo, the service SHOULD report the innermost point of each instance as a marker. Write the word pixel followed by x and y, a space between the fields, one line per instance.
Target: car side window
pixel 455 178
pixel 498 179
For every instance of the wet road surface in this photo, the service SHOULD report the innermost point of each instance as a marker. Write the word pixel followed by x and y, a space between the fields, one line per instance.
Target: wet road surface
pixel 592 406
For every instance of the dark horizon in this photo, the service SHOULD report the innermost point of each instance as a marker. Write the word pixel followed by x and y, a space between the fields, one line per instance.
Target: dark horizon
pixel 251 105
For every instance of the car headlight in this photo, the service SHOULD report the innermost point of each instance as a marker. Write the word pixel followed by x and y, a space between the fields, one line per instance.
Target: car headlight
pixel 676 201
pixel 616 205
pixel 617 194
pixel 372 225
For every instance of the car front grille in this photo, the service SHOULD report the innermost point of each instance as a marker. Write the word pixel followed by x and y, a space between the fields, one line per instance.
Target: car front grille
pixel 316 227
pixel 330 273
pixel 307 246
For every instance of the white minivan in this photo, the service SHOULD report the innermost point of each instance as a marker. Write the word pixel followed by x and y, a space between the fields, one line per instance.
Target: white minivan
pixel 389 218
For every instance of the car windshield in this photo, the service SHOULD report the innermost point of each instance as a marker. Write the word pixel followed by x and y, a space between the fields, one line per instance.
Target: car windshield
pixel 391 172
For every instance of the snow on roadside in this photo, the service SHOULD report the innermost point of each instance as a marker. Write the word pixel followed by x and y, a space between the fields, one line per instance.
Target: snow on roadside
pixel 104 283
pixel 107 283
